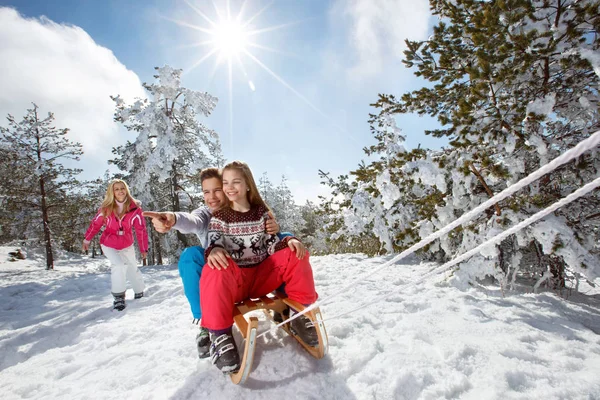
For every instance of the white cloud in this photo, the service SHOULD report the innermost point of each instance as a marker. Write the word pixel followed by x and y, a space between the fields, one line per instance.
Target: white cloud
pixel 377 30
pixel 62 69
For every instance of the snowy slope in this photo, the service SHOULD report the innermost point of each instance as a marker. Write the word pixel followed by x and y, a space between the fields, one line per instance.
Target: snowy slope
pixel 59 339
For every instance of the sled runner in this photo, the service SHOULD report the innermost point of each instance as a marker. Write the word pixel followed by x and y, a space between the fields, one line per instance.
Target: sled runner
pixel 272 303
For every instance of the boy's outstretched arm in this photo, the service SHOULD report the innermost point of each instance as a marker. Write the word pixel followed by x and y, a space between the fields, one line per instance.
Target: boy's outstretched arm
pixel 162 221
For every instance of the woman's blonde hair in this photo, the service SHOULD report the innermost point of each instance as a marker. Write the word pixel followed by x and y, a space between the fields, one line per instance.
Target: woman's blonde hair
pixel 253 195
pixel 109 205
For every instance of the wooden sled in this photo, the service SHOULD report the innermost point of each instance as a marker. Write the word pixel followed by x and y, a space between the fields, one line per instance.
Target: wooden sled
pixel 248 328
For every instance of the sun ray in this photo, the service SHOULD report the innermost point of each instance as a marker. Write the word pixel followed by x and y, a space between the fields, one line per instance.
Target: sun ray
pixel 200 61
pixel 239 60
pixel 243 68
pixel 300 96
pixel 211 75
pixel 200 13
pixel 231 108
pixel 241 64
pixel 252 18
pixel 188 25
pixel 217 10
pixel 272 50
pixel 275 27
pixel 192 45
pixel 238 17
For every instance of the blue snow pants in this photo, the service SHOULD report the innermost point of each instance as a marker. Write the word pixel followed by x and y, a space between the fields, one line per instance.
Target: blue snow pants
pixel 190 266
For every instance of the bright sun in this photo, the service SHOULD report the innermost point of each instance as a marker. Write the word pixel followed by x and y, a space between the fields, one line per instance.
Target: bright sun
pixel 229 38
pixel 232 39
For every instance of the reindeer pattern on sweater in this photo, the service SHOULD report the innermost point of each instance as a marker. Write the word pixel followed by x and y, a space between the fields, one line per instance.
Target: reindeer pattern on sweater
pixel 243 235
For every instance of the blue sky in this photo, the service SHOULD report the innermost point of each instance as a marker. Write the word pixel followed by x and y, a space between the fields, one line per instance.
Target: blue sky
pixel 308 111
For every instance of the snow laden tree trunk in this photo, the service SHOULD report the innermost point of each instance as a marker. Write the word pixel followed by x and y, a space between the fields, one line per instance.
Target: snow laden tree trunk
pixel 33 148
pixel 171 147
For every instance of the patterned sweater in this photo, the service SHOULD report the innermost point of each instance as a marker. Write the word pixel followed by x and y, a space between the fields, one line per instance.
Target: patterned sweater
pixel 243 235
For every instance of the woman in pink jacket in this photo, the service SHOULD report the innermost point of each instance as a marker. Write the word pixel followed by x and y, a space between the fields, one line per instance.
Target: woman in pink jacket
pixel 119 213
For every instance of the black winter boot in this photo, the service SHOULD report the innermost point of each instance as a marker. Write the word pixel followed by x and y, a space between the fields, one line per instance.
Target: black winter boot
pixel 119 302
pixel 203 343
pixel 138 295
pixel 304 328
pixel 224 353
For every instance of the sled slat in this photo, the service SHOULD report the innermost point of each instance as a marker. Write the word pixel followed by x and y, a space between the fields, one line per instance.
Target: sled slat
pixel 250 304
pixel 275 302
pixel 294 304
pixel 248 356
pixel 267 301
pixel 241 322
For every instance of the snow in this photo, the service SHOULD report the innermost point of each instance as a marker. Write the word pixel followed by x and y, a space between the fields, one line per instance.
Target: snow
pixel 428 172
pixel 593 57
pixel 59 339
pixel 542 106
pixel 389 192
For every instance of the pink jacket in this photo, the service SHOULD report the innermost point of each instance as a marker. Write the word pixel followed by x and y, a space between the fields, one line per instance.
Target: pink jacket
pixel 117 232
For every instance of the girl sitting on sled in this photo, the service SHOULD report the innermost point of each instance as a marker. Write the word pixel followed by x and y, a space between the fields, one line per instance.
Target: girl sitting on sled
pixel 245 262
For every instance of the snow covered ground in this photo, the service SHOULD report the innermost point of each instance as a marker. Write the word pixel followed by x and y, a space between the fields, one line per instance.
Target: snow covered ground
pixel 59 339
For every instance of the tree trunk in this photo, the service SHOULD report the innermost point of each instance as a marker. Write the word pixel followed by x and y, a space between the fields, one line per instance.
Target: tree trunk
pixel 176 206
pixel 485 186
pixel 151 238
pixel 156 249
pixel 557 268
pixel 47 239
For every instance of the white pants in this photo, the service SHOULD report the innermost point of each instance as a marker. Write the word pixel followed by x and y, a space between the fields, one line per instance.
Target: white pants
pixel 124 267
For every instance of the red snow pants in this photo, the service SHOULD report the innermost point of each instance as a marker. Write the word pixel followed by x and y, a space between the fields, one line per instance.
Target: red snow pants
pixel 221 289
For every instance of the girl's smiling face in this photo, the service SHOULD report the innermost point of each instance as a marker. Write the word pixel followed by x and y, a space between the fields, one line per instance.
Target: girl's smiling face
pixel 120 192
pixel 234 186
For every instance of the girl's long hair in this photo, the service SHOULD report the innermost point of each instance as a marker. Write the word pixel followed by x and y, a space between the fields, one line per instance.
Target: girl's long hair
pixel 109 205
pixel 253 195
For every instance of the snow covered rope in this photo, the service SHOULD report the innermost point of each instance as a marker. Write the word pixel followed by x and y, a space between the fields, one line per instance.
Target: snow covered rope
pixel 582 191
pixel 575 152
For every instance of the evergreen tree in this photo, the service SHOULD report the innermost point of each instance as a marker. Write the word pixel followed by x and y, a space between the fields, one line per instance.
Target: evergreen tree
pixel 513 85
pixel 312 233
pixel 288 213
pixel 35 185
pixel 281 202
pixel 267 191
pixel 84 203
pixel 346 231
pixel 171 147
